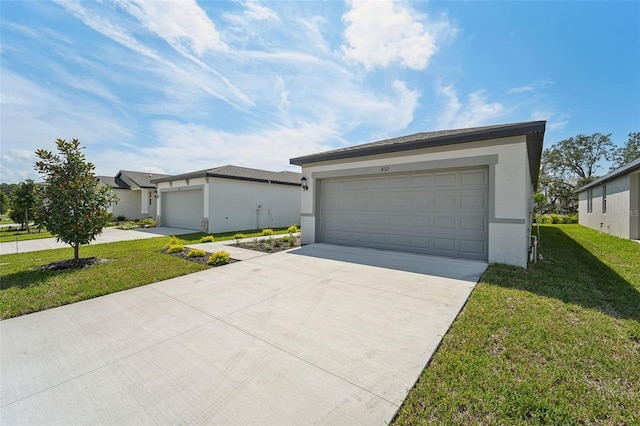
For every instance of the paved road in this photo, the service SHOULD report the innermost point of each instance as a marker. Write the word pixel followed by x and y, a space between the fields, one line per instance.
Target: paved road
pixel 317 335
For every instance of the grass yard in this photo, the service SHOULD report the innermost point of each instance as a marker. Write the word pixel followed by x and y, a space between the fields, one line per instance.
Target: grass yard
pixel 8 235
pixel 559 344
pixel 25 289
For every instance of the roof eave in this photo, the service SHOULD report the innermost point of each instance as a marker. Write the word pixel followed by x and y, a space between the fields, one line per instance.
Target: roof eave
pixel 473 136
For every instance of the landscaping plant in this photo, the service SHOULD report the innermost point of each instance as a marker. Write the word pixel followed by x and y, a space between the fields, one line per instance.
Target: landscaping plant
pixel 219 258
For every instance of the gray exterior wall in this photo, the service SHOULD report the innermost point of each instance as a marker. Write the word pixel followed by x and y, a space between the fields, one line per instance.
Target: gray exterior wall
pixel 622 211
pixel 235 205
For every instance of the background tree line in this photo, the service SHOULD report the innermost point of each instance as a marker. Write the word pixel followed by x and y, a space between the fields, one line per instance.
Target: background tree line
pixel 574 162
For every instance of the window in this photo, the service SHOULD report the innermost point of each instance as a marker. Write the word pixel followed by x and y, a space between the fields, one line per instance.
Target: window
pixel 589 201
pixel 604 199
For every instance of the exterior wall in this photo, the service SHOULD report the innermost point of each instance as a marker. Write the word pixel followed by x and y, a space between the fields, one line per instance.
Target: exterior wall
pixel 128 204
pixel 231 204
pixel 509 192
pixel 236 205
pixel 617 219
pixel 634 201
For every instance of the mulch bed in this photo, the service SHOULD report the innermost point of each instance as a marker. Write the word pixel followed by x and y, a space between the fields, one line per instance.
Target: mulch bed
pixel 269 246
pixel 83 262
pixel 202 260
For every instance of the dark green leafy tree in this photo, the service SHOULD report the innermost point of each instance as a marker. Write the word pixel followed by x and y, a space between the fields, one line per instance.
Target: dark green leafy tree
pixel 570 164
pixel 74 206
pixel 8 188
pixel 23 204
pixel 627 153
pixel 4 202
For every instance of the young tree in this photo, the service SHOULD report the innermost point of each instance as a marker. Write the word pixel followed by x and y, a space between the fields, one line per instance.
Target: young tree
pixel 628 153
pixel 23 204
pixel 74 207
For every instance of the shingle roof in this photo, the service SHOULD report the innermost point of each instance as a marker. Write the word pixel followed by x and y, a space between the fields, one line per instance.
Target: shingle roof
pixel 241 173
pixel 426 140
pixel 628 168
pixel 534 130
pixel 113 182
pixel 141 179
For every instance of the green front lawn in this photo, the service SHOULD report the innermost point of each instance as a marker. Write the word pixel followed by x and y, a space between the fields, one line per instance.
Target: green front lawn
pixel 8 235
pixel 25 289
pixel 559 344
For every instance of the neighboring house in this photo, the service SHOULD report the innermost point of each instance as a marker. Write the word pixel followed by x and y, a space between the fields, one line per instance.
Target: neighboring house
pixel 464 193
pixel 611 204
pixel 136 194
pixel 229 198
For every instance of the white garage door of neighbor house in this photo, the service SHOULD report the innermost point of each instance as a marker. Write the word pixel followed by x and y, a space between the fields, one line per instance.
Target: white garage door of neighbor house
pixel 442 213
pixel 183 209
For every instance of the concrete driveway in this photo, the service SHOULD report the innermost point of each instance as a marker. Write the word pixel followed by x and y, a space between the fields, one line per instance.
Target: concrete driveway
pixel 318 335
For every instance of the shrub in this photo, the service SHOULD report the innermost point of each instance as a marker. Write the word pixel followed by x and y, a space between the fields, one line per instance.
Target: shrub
pixel 196 253
pixel 175 248
pixel 128 225
pixel 148 223
pixel 556 218
pixel 267 231
pixel 293 229
pixel 111 217
pixel 287 239
pixel 173 241
pixel 121 218
pixel 218 258
pixel 238 237
pixel 268 244
pixel 207 239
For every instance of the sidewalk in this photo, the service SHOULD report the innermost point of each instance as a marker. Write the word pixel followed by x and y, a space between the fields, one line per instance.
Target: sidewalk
pixel 108 235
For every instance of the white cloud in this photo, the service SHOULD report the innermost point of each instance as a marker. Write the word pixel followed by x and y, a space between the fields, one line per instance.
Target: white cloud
pixel 187 147
pixel 37 115
pixel 555 121
pixel 182 24
pixel 258 12
pixel 207 80
pixel 540 84
pixel 380 33
pixel 475 112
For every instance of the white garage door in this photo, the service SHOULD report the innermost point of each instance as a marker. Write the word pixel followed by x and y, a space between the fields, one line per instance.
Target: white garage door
pixel 442 213
pixel 183 209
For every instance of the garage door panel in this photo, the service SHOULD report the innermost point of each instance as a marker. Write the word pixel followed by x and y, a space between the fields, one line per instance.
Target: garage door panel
pixel 441 213
pixel 473 201
pixel 473 224
pixel 472 247
pixel 479 177
pixel 444 222
pixel 444 202
pixel 183 209
pixel 445 179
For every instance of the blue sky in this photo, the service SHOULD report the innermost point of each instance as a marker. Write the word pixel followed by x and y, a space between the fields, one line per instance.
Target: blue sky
pixel 178 86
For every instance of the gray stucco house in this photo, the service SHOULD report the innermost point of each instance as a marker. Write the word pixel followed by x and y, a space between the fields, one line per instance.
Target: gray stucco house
pixel 464 193
pixel 611 204
pixel 136 193
pixel 229 198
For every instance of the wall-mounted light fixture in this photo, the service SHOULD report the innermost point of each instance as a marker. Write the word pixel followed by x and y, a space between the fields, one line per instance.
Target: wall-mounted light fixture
pixel 303 183
pixel 155 194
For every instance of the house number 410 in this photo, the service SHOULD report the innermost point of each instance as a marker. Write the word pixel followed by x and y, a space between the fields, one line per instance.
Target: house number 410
pixel 384 169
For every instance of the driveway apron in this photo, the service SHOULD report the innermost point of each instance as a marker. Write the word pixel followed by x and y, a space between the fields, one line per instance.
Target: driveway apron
pixel 322 334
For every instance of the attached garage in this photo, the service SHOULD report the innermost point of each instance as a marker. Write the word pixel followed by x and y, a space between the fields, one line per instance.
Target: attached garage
pixel 464 193
pixel 229 198
pixel 440 213
pixel 183 209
